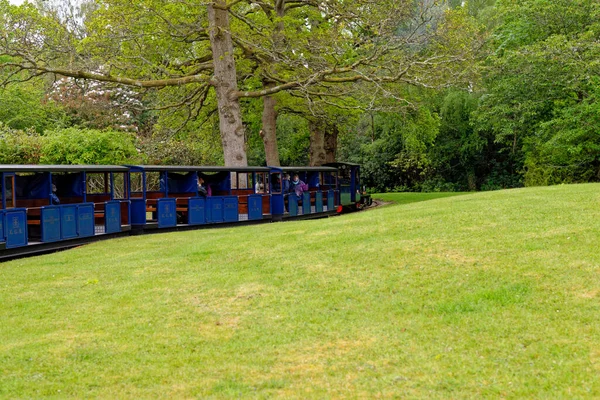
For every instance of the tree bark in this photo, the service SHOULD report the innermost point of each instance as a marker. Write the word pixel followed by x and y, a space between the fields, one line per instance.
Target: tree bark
pixel 331 137
pixel 269 117
pixel 225 84
pixel 268 132
pixel 323 143
pixel 316 151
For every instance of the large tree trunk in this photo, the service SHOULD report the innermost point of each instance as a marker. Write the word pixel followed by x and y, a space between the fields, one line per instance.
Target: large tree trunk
pixel 316 151
pixel 331 137
pixel 269 117
pixel 323 143
pixel 225 84
pixel 269 131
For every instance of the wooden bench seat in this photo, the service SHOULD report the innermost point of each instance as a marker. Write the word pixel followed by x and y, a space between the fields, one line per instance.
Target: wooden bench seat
pixel 151 208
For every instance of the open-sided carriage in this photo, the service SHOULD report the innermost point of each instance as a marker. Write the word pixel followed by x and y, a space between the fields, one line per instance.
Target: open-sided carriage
pixel 47 207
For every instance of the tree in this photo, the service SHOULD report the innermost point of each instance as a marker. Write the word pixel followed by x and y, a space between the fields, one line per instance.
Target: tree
pixel 150 44
pixel 540 75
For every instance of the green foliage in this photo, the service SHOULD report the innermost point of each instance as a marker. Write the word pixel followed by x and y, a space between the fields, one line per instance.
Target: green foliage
pixel 540 81
pixel 293 138
pixel 468 158
pixel 24 107
pixel 19 147
pixel 567 148
pixel 88 146
pixel 392 148
pixel 192 150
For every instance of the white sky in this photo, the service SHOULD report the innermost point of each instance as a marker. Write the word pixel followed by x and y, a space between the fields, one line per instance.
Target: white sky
pixel 17 2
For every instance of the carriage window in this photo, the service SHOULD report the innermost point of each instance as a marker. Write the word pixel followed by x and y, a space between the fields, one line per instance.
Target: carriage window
pixel 262 183
pixel 328 181
pixel 241 180
pixel 137 184
pixel 98 183
pixel 153 181
pixel 276 182
pixel 344 175
pixel 9 192
pixel 120 185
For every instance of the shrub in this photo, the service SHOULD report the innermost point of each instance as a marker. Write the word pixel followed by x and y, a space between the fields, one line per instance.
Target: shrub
pixel 19 147
pixel 88 146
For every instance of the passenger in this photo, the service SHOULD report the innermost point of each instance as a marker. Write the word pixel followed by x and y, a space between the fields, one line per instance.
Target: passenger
pixel 298 187
pixel 53 197
pixel 259 187
pixel 203 190
pixel 276 184
pixel 286 183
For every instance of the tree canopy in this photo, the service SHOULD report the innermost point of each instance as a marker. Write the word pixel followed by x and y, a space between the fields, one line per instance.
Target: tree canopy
pixel 426 94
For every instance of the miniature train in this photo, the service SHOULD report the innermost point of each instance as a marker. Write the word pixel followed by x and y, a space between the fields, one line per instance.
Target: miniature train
pixel 50 207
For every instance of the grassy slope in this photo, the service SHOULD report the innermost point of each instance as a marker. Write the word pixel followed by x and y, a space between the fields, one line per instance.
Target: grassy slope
pixel 490 294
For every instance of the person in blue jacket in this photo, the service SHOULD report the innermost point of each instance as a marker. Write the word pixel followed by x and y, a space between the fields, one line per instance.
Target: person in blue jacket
pixel 286 183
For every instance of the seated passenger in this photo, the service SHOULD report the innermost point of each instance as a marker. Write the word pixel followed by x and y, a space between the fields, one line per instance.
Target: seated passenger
pixel 286 183
pixel 53 197
pixel 203 190
pixel 298 187
pixel 259 187
pixel 276 184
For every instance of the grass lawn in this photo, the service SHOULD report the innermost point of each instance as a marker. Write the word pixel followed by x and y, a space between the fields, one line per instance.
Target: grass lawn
pixel 405 198
pixel 492 294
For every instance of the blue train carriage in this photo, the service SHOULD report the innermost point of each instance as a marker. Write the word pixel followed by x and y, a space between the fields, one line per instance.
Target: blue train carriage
pixel 170 196
pixel 13 219
pixel 253 188
pixel 53 203
pixel 351 195
pixel 320 198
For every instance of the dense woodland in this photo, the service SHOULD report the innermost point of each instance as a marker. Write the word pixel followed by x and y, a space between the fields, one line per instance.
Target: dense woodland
pixel 426 95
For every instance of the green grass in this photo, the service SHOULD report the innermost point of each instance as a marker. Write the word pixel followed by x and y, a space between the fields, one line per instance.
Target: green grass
pixel 406 198
pixel 491 294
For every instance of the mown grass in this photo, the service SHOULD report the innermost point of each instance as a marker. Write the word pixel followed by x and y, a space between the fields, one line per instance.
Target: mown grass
pixel 483 295
pixel 413 197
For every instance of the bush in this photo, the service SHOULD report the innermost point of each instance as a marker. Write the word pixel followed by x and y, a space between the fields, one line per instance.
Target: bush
pixel 19 147
pixel 88 146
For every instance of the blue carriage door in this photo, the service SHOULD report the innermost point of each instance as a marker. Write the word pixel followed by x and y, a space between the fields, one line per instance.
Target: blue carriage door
pixel 167 215
pixel 255 207
pixel 112 220
pixel 50 223
pixel 214 209
pixel 2 234
pixel 293 204
pixel 197 211
pixel 319 202
pixel 137 185
pixel 68 221
pixel 15 227
pixel 85 219
pixel 330 200
pixel 230 209
pixel 277 201
pixel 306 203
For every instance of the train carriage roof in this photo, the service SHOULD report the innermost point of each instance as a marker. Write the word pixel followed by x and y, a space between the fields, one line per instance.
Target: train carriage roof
pixel 62 168
pixel 307 169
pixel 336 164
pixel 191 168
